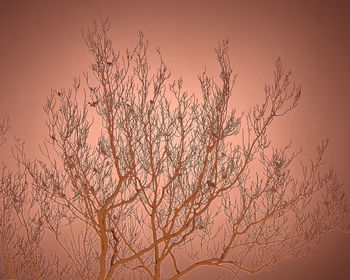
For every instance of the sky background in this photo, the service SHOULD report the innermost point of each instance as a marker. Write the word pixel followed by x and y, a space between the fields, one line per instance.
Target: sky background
pixel 42 49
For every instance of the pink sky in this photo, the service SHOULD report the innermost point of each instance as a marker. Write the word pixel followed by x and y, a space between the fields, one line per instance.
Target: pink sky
pixel 42 49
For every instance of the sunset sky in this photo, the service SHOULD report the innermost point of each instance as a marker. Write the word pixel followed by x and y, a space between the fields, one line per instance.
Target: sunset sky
pixel 42 49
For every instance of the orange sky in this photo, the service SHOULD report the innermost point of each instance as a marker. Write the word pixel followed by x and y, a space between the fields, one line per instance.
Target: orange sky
pixel 42 48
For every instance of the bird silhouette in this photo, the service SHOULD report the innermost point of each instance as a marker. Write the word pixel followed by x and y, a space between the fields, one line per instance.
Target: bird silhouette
pixel 92 89
pixel 93 190
pixel 200 227
pixel 93 104
pixel 211 184
pixel 59 93
pixel 277 164
pixel 103 151
pixel 53 137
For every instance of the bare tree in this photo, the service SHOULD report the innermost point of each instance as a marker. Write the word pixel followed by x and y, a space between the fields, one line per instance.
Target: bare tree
pixel 21 227
pixel 171 174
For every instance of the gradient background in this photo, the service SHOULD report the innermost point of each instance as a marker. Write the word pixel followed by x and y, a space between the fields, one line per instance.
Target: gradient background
pixel 42 49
